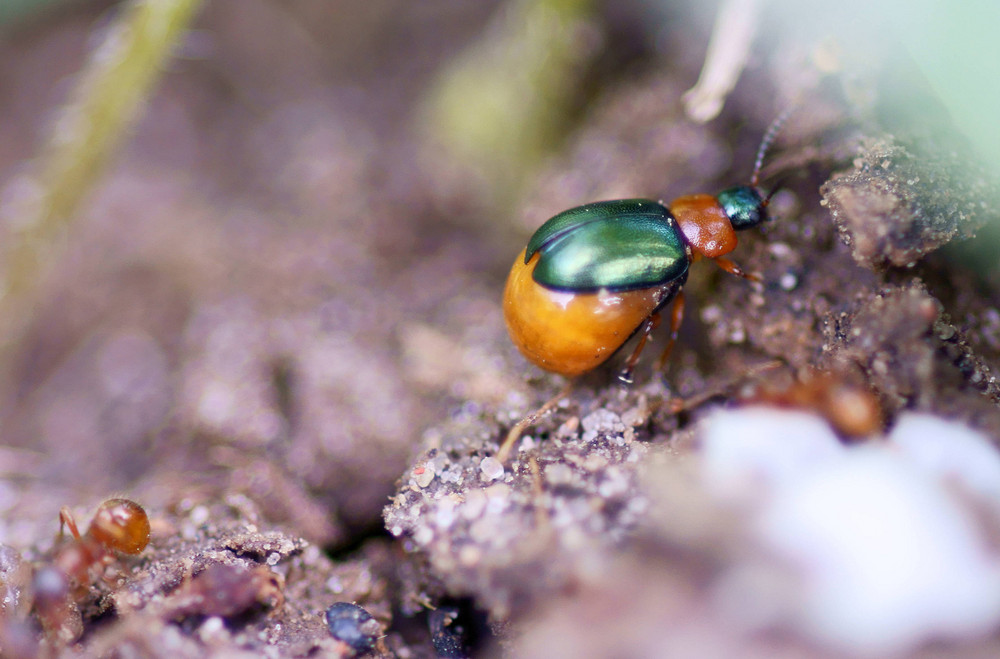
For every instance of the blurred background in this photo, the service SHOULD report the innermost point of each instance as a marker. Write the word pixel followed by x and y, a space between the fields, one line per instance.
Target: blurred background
pixel 269 262
pixel 273 261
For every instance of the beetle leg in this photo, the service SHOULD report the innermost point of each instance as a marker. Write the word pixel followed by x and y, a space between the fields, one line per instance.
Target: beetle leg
pixel 734 269
pixel 648 326
pixel 514 433
pixel 676 316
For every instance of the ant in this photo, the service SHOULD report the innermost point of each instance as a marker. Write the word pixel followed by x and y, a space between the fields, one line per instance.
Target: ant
pixel 119 526
pixel 853 410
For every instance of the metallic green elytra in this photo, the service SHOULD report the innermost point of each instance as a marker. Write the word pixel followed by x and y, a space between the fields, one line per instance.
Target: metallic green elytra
pixel 743 206
pixel 619 245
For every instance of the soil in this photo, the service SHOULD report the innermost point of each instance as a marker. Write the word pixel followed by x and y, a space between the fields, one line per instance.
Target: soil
pixel 276 324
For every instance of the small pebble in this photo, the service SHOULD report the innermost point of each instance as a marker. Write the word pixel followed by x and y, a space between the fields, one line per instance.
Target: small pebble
pixel 569 427
pixel 213 628
pixel 444 516
pixel 199 515
pixel 475 504
pixel 352 625
pixel 711 314
pixel 423 476
pixel 492 468
pixel 423 535
pixel 335 585
pixel 558 474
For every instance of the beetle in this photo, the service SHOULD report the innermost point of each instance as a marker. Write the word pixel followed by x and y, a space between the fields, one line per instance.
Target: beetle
pixel 593 276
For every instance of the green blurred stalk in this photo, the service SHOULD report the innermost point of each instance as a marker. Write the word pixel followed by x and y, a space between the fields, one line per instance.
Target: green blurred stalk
pixel 504 102
pixel 107 99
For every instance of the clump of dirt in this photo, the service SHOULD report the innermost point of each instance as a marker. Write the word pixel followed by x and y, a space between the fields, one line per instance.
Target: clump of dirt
pixel 280 313
pixel 897 206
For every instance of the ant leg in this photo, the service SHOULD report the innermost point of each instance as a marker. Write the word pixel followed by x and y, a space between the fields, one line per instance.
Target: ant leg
pixel 66 520
pixel 676 317
pixel 648 326
pixel 678 405
pixel 734 269
pixel 515 432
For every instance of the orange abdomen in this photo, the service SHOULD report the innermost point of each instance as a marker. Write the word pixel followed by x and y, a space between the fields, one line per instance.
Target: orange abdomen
pixel 572 333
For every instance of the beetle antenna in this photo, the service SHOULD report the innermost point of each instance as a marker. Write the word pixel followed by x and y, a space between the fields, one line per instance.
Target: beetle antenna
pixel 765 144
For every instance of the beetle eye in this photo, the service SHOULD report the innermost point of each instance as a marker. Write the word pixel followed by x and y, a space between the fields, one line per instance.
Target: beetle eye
pixel 743 206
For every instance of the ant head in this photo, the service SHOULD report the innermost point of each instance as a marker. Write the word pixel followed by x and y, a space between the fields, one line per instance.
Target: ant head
pixel 120 525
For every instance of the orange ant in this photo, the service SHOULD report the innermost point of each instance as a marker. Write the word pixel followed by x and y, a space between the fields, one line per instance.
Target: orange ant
pixel 852 409
pixel 120 526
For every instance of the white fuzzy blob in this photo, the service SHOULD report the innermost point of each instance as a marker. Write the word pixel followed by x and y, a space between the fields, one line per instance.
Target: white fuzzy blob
pixel 950 451
pixel 882 551
pixel 886 557
pixel 748 451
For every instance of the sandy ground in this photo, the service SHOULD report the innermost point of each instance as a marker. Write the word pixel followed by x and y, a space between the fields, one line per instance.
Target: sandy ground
pixel 277 325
